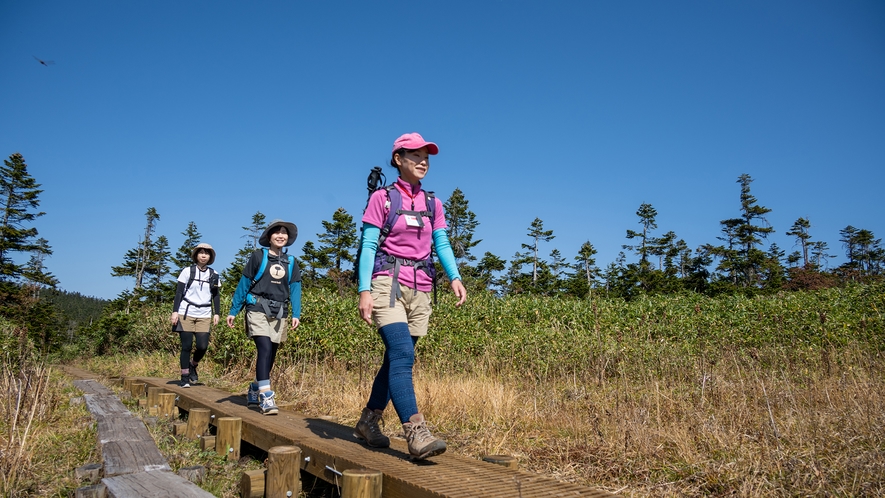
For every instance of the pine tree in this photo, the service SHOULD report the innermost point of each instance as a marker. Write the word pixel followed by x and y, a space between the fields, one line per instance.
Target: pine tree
pixel 336 244
pixel 462 225
pixel 586 264
pixel 647 215
pixel 35 271
pixel 230 277
pixel 819 250
pixel 339 238
pixel 537 233
pixel 157 285
pixel 486 269
pixel 742 260
pixel 19 194
pixel 314 260
pixel 803 238
pixel 136 261
pixel 182 258
pixel 518 282
pixel 557 272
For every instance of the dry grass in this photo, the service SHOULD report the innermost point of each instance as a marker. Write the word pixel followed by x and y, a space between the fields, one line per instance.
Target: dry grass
pixel 44 435
pixel 736 427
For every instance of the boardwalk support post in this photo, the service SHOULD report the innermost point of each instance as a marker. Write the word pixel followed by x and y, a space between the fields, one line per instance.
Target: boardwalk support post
pixel 207 443
pixel 283 472
pixel 252 484
pixel 361 483
pixel 137 389
pixel 153 396
pixel 166 402
pixel 511 462
pixel 197 422
pixel 227 440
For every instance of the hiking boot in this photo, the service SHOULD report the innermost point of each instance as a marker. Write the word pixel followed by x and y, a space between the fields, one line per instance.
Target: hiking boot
pixel 185 381
pixel 252 394
pixel 367 429
pixel 193 375
pixel 267 404
pixel 422 444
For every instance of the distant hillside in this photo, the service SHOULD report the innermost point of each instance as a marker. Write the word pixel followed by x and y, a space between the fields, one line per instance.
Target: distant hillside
pixel 75 306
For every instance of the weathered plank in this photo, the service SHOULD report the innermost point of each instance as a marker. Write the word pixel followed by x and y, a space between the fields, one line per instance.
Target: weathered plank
pixel 153 484
pixel 105 405
pixel 128 457
pixel 92 387
pixel 122 427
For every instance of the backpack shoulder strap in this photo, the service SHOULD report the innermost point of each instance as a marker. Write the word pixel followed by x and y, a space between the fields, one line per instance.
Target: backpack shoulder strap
pixel 262 267
pixel 395 198
pixel 190 278
pixel 430 200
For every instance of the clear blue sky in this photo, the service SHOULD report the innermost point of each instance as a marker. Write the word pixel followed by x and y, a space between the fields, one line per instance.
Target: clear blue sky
pixel 573 112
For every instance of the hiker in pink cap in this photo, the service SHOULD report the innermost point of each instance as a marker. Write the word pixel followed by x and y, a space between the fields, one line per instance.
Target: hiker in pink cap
pixel 396 275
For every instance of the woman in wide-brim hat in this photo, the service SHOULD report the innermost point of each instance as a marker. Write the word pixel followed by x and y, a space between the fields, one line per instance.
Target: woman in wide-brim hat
pixel 291 231
pixel 196 306
pixel 270 284
pixel 395 280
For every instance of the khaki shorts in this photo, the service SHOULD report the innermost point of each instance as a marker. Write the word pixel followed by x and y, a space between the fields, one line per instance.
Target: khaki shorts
pixel 189 324
pixel 412 308
pixel 259 324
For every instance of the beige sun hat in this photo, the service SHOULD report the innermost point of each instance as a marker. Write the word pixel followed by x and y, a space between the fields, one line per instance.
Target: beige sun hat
pixel 264 240
pixel 206 247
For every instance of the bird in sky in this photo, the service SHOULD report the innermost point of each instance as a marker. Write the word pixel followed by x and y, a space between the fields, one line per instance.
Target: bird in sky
pixel 41 61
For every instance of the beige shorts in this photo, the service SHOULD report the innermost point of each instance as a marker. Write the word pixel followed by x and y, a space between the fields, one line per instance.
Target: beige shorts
pixel 412 308
pixel 189 324
pixel 259 324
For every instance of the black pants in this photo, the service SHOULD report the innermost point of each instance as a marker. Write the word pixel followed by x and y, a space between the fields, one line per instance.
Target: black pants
pixel 187 343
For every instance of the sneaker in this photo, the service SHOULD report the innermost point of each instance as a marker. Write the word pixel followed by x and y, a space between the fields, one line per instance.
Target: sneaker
pixel 267 404
pixel 367 429
pixel 193 375
pixel 185 381
pixel 422 444
pixel 252 394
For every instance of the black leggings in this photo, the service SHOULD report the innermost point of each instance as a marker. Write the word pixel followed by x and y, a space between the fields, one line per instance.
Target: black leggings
pixel 267 353
pixel 187 342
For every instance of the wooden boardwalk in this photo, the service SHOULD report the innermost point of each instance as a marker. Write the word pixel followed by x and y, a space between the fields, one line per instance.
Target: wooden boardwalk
pixel 329 448
pixel 132 465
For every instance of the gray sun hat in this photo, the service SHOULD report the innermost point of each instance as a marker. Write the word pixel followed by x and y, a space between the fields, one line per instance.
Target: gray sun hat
pixel 264 240
pixel 208 248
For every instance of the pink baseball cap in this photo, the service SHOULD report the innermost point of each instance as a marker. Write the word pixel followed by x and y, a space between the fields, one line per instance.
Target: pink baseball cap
pixel 414 141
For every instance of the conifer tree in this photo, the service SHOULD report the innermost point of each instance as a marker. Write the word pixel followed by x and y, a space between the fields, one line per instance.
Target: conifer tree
pixel 19 201
pixel 336 244
pixel 35 271
pixel 586 263
pixel 819 256
pixel 230 278
pixel 462 225
pixel 339 238
pixel 137 260
pixel 182 258
pixel 803 238
pixel 486 269
pixel 647 215
pixel 742 260
pixel 537 233
pixel 314 260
